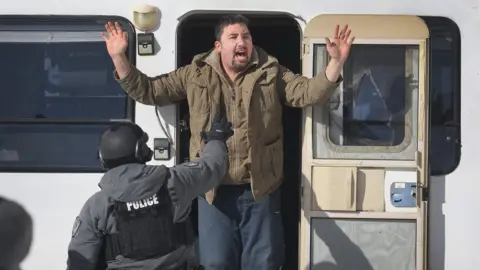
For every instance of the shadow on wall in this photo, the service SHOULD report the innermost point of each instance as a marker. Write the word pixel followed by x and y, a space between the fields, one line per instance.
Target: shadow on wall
pixel 346 254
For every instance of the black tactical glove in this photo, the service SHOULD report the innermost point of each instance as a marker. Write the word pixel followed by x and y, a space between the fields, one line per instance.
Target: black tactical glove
pixel 220 130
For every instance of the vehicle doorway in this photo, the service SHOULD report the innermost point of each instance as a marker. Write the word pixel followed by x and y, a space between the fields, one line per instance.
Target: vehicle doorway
pixel 280 36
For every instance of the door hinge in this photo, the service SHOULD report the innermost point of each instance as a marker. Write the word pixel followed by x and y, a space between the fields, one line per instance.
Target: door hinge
pixel 306 48
pixel 424 191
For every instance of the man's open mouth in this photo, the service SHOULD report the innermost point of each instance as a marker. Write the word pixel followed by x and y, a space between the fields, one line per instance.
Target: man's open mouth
pixel 241 56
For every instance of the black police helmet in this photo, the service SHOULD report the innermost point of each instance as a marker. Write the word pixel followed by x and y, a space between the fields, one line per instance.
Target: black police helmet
pixel 124 143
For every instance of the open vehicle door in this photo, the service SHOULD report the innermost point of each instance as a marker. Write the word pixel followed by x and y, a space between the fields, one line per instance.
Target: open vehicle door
pixel 364 156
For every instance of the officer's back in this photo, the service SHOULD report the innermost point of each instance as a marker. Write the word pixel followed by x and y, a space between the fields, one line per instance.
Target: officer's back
pixel 139 218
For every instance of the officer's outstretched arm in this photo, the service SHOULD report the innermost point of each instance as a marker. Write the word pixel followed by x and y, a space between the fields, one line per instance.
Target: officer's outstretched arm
pixel 194 178
pixel 191 179
pixel 86 243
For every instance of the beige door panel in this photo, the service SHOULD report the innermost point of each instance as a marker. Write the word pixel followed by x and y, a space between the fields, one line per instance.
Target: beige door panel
pixel 364 155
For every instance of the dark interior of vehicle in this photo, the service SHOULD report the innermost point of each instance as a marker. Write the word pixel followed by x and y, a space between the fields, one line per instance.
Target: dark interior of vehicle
pixel 280 36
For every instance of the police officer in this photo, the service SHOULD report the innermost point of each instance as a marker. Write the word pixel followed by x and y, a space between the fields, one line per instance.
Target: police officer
pixel 16 231
pixel 139 218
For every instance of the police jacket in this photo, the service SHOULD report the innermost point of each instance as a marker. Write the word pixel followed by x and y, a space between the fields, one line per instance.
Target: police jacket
pixel 135 182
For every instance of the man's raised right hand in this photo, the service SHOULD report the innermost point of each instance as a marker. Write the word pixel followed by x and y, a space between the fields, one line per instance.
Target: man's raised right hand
pixel 116 41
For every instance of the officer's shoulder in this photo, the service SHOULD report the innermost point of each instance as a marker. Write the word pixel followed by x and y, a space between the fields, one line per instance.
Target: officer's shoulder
pixel 97 198
pixel 154 169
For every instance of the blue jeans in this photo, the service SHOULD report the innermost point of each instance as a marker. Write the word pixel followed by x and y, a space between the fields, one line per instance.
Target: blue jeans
pixel 236 232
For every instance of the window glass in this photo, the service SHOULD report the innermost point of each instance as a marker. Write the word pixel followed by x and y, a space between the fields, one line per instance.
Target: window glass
pixel 58 94
pixel 43 146
pixel 372 107
pixel 55 76
pixel 444 95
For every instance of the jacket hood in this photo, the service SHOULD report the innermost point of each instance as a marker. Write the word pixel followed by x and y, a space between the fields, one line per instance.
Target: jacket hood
pixel 132 182
pixel 264 59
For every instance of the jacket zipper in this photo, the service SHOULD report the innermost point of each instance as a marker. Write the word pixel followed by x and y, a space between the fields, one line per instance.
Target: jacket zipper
pixel 234 113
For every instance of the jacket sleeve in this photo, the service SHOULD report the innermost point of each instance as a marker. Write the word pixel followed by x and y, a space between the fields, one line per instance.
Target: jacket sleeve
pixel 299 91
pixel 161 90
pixel 87 240
pixel 191 179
